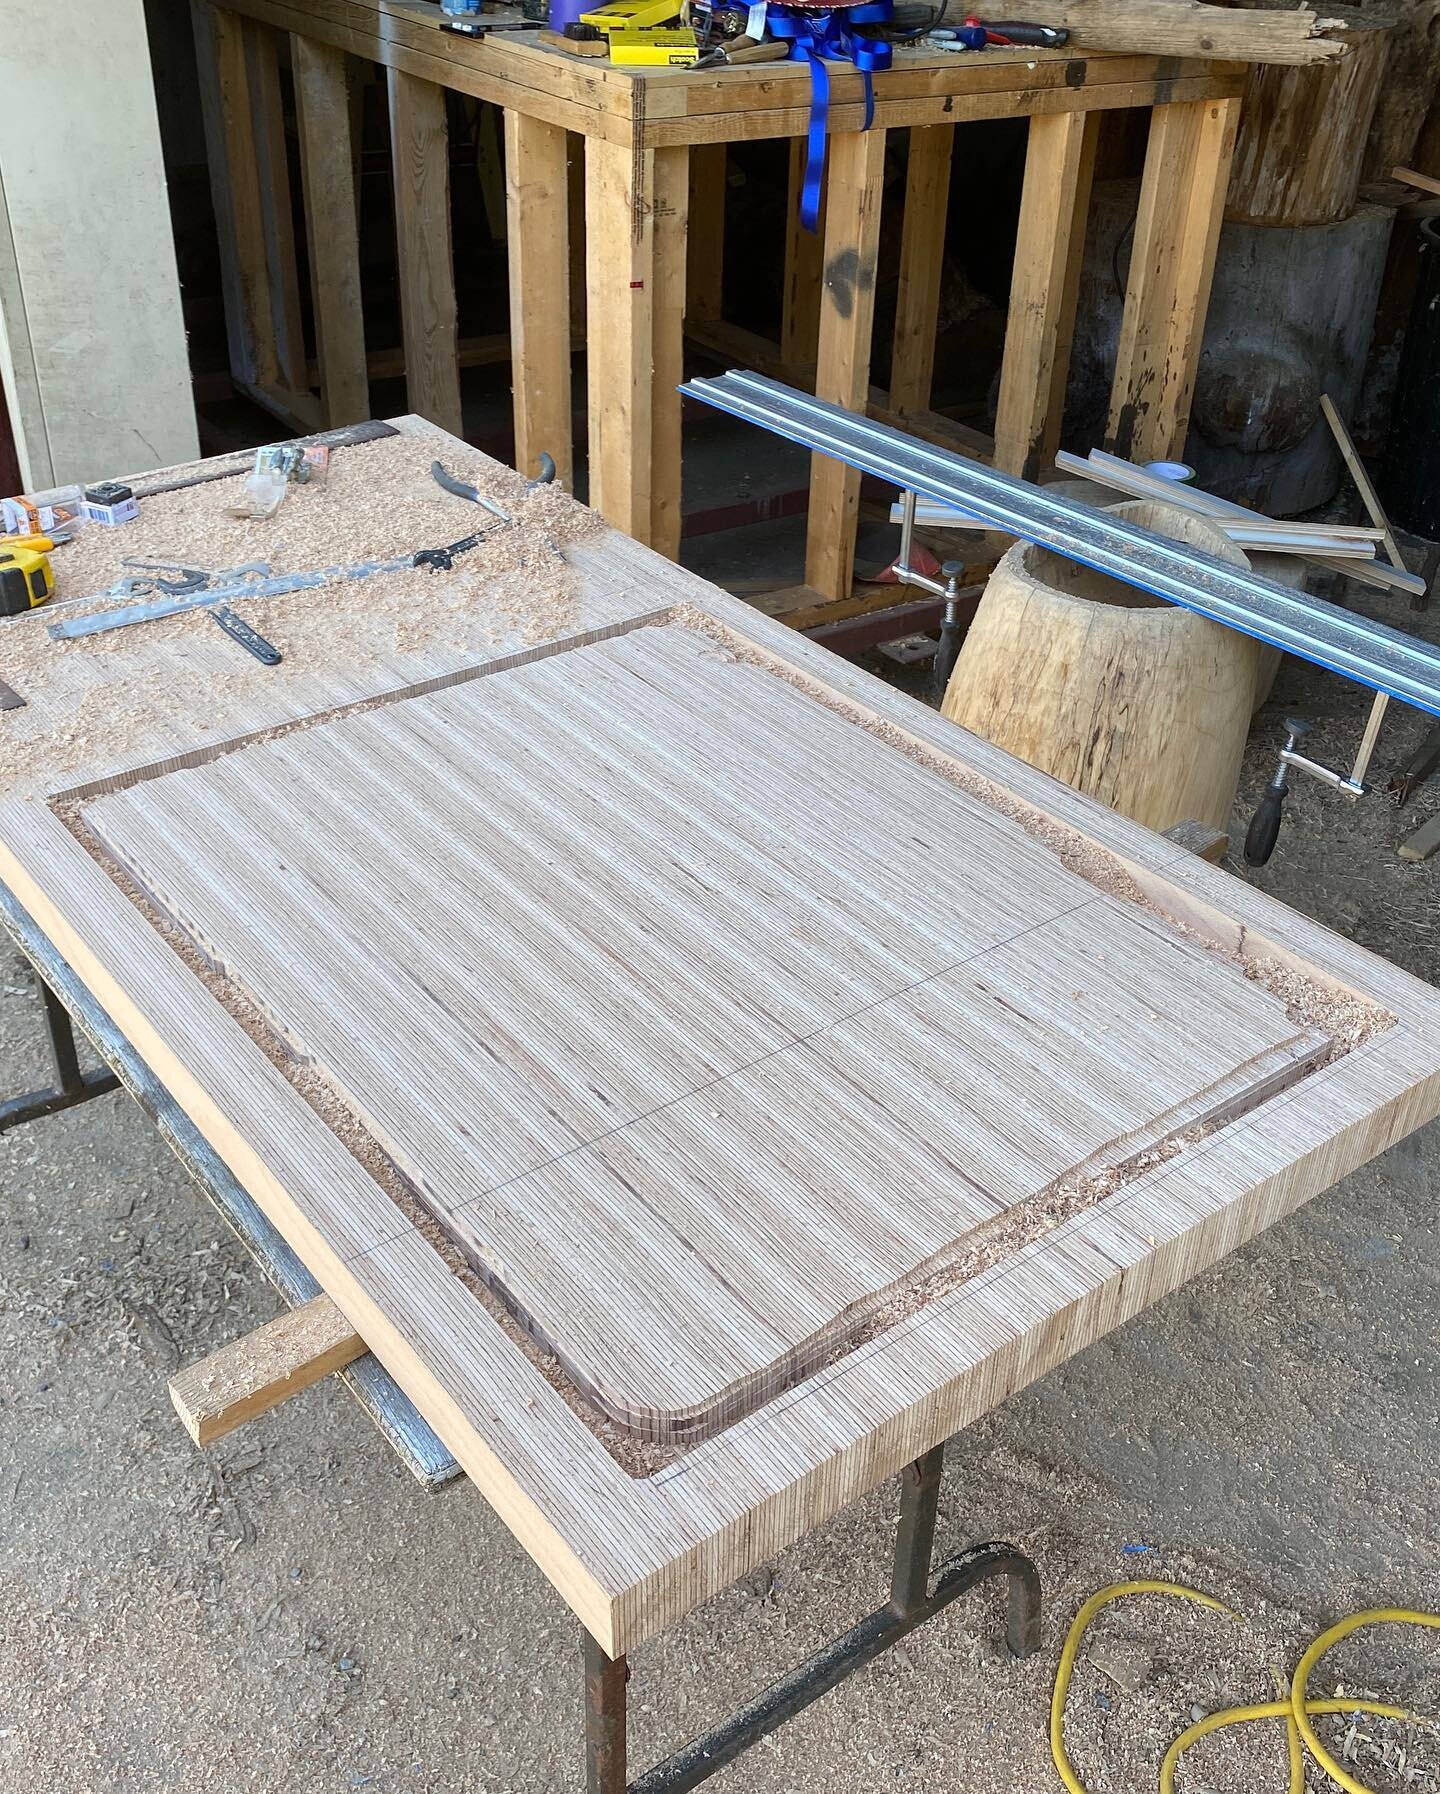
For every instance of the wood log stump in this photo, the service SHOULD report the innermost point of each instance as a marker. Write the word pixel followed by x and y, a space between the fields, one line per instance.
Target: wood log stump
pixel 1301 143
pixel 1138 703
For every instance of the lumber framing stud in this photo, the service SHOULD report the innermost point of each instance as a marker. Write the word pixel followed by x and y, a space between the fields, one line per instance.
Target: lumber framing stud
pixel 804 265
pixel 1059 165
pixel 705 246
pixel 636 214
pixel 922 261
pixel 537 194
pixel 420 157
pixel 847 315
pixel 1182 197
pixel 324 116
pixel 231 150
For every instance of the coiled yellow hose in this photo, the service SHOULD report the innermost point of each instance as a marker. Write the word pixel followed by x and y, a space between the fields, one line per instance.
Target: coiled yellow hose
pixel 1296 1711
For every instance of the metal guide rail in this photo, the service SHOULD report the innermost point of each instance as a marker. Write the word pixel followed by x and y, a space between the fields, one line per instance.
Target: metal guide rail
pixel 1372 654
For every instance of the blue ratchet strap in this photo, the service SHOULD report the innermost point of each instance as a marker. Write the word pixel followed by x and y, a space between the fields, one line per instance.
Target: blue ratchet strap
pixel 818 37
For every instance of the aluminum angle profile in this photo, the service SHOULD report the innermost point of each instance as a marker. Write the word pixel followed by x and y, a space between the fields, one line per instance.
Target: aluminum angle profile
pixel 1370 653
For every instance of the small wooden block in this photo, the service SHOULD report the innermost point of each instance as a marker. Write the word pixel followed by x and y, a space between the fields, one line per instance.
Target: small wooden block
pixel 1423 842
pixel 1204 842
pixel 572 46
pixel 1425 183
pixel 254 1374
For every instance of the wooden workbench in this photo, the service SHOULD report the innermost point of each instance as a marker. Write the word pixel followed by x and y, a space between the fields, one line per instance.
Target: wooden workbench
pixel 705 1078
pixel 653 177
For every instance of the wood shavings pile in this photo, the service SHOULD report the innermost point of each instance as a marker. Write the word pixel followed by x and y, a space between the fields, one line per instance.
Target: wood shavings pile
pixel 102 702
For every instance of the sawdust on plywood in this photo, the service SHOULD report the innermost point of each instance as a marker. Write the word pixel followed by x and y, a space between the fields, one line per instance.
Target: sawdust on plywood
pixel 96 703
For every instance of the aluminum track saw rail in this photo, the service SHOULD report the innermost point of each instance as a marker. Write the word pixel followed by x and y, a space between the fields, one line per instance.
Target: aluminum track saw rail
pixel 1371 653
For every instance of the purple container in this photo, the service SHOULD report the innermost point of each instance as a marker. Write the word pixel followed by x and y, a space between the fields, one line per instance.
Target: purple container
pixel 566 12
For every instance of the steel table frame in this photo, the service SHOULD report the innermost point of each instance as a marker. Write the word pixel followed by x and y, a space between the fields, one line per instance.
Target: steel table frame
pixel 913 1600
pixel 914 1596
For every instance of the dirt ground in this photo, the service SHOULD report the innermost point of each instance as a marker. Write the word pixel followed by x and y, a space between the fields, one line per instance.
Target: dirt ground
pixel 289 1611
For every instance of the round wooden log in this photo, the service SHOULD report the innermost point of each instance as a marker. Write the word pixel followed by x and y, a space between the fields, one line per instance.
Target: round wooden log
pixel 1135 701
pixel 1301 144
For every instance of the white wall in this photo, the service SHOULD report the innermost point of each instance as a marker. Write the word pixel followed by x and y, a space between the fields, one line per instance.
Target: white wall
pixel 92 348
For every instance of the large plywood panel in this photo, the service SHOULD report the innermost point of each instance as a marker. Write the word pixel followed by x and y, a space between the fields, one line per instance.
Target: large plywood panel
pixel 799 972
pixel 703 1061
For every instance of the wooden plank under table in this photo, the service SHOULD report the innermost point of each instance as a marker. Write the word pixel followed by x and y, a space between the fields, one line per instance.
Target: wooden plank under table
pixel 639 130
pixel 703 1076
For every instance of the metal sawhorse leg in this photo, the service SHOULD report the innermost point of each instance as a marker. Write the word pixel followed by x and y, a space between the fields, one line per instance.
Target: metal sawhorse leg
pixel 913 1600
pixel 71 1085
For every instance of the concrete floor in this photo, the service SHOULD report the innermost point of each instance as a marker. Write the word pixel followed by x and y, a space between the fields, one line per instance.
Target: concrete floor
pixel 290 1612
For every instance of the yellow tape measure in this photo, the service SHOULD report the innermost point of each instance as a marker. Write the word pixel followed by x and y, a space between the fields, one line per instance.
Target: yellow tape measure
pixel 26 578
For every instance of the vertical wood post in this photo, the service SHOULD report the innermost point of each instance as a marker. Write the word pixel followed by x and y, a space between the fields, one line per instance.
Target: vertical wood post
pixel 672 215
pixel 537 194
pixel 1059 164
pixel 847 313
pixel 705 276
pixel 272 177
pixel 323 111
pixel 230 150
pixel 1182 195
pixel 419 153
pixel 922 258
pixel 620 327
pixel 804 259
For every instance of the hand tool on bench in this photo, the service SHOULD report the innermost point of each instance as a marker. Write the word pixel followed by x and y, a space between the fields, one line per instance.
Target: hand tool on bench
pixel 743 49
pixel 483 27
pixel 459 489
pixel 250 639
pixel 977 34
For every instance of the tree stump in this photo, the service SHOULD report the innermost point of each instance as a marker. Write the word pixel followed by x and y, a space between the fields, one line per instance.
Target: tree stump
pixel 1140 704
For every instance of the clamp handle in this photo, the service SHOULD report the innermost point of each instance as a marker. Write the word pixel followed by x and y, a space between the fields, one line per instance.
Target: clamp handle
pixel 1264 829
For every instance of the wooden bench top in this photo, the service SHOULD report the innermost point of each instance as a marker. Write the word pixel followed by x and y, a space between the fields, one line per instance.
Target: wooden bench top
pixel 705 1077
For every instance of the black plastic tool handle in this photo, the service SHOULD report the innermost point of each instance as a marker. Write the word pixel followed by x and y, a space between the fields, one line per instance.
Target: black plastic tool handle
pixel 249 639
pixel 1264 829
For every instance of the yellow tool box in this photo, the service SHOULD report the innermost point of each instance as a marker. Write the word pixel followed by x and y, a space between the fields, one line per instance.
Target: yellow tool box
pixel 25 579
pixel 677 47
pixel 631 15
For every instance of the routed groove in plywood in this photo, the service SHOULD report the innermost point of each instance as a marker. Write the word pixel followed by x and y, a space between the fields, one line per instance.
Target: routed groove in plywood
pixel 701 1060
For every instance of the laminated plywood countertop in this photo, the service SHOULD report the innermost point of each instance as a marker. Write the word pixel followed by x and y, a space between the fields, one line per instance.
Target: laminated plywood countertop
pixel 705 1077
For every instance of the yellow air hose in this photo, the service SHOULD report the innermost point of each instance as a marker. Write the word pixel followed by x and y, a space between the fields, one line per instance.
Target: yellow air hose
pixel 1078 1628
pixel 1296 1711
pixel 1301 1708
